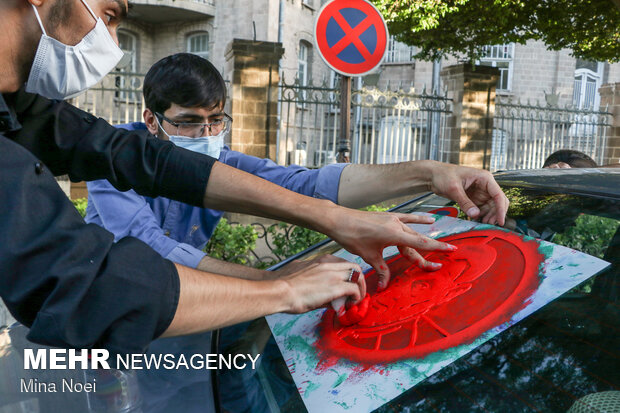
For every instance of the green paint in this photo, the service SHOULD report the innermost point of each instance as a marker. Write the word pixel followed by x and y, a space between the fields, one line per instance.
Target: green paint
pixel 344 405
pixel 573 265
pixel 546 250
pixel 284 329
pixel 311 387
pixel 341 378
pixel 299 345
pixel 375 393
pixel 560 268
pixel 482 227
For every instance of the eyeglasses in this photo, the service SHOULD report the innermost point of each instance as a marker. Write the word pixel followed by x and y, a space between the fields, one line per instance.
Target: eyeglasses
pixel 196 130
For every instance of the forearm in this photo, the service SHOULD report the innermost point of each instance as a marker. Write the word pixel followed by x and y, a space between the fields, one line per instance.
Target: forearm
pixel 210 301
pixel 230 269
pixel 233 190
pixel 362 185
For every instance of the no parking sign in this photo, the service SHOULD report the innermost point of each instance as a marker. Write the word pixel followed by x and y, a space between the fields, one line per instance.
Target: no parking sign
pixel 351 36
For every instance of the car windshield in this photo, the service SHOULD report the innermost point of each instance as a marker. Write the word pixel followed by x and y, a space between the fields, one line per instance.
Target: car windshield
pixel 561 353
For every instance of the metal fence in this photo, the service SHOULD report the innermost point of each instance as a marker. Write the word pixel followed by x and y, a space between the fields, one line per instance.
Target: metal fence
pixel 117 98
pixel 386 125
pixel 525 135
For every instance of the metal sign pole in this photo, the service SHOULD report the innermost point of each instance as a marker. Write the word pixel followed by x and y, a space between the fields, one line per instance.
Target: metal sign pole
pixel 344 147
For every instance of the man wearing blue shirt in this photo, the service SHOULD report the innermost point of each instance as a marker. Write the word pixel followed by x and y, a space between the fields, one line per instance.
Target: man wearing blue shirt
pixel 184 96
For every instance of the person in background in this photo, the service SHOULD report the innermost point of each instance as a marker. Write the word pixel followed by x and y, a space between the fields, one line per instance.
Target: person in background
pixel 568 158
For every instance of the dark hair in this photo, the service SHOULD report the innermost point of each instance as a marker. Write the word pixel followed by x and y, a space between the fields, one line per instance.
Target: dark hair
pixel 575 159
pixel 186 80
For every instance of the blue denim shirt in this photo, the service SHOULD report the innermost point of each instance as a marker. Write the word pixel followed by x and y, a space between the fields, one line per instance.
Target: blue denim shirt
pixel 180 231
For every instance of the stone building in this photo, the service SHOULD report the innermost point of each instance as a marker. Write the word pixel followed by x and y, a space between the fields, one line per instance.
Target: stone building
pixel 278 35
pixel 157 28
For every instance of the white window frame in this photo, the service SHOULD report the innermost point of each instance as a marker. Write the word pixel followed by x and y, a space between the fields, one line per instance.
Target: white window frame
pixel 133 50
pixel 303 63
pixel 580 87
pixel 500 54
pixel 121 80
pixel 398 52
pixel 303 69
pixel 202 53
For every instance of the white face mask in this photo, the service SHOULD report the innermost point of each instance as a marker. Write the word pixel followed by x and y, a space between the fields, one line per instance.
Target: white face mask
pixel 62 72
pixel 206 145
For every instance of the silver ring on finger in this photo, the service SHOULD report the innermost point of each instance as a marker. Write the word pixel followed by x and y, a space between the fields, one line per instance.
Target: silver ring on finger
pixel 353 276
pixel 350 277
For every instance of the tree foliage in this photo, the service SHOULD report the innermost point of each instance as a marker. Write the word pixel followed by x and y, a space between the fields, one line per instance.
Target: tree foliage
pixel 590 28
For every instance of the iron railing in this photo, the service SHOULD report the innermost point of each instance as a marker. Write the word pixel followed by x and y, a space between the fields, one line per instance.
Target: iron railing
pixel 526 134
pixel 386 125
pixel 117 98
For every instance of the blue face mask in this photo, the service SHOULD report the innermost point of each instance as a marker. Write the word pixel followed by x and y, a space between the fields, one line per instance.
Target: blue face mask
pixel 206 145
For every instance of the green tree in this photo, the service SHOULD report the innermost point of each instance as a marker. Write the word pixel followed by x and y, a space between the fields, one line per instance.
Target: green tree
pixel 590 28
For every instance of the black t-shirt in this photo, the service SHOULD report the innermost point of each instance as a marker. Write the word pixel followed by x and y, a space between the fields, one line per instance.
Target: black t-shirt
pixel 66 280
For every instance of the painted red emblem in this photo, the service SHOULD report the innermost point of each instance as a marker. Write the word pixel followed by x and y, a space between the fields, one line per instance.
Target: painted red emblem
pixel 480 286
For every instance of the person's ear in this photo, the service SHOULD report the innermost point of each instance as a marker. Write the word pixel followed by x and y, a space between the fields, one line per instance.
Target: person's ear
pixel 150 121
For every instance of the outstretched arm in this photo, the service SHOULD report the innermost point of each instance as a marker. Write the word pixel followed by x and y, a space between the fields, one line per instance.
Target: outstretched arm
pixel 475 190
pixel 365 234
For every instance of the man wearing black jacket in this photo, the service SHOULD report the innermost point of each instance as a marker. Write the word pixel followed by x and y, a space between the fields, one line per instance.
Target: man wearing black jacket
pixel 69 282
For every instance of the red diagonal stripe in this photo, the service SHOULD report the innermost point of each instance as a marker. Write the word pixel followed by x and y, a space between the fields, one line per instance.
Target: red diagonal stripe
pixel 351 36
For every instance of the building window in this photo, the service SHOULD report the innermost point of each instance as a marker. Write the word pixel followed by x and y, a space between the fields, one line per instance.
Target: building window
pixel 304 59
pixel 198 44
pixel 398 52
pixel 587 81
pixel 126 81
pixel 500 56
pixel 128 42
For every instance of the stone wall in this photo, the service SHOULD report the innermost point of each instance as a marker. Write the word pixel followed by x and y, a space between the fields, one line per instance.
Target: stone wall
pixel 470 126
pixel 254 92
pixel 610 98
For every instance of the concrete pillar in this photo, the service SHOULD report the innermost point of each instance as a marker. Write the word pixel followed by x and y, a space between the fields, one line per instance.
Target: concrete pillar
pixel 610 101
pixel 254 70
pixel 470 127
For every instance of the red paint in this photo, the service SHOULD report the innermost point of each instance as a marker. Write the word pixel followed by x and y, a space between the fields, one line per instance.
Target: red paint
pixel 355 313
pixel 446 211
pixel 480 286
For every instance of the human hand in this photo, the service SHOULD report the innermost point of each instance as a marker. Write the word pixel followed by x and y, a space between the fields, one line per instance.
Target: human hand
pixel 475 190
pixel 367 234
pixel 318 282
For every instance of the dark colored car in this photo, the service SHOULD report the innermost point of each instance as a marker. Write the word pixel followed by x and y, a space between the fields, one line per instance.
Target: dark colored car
pixel 548 362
